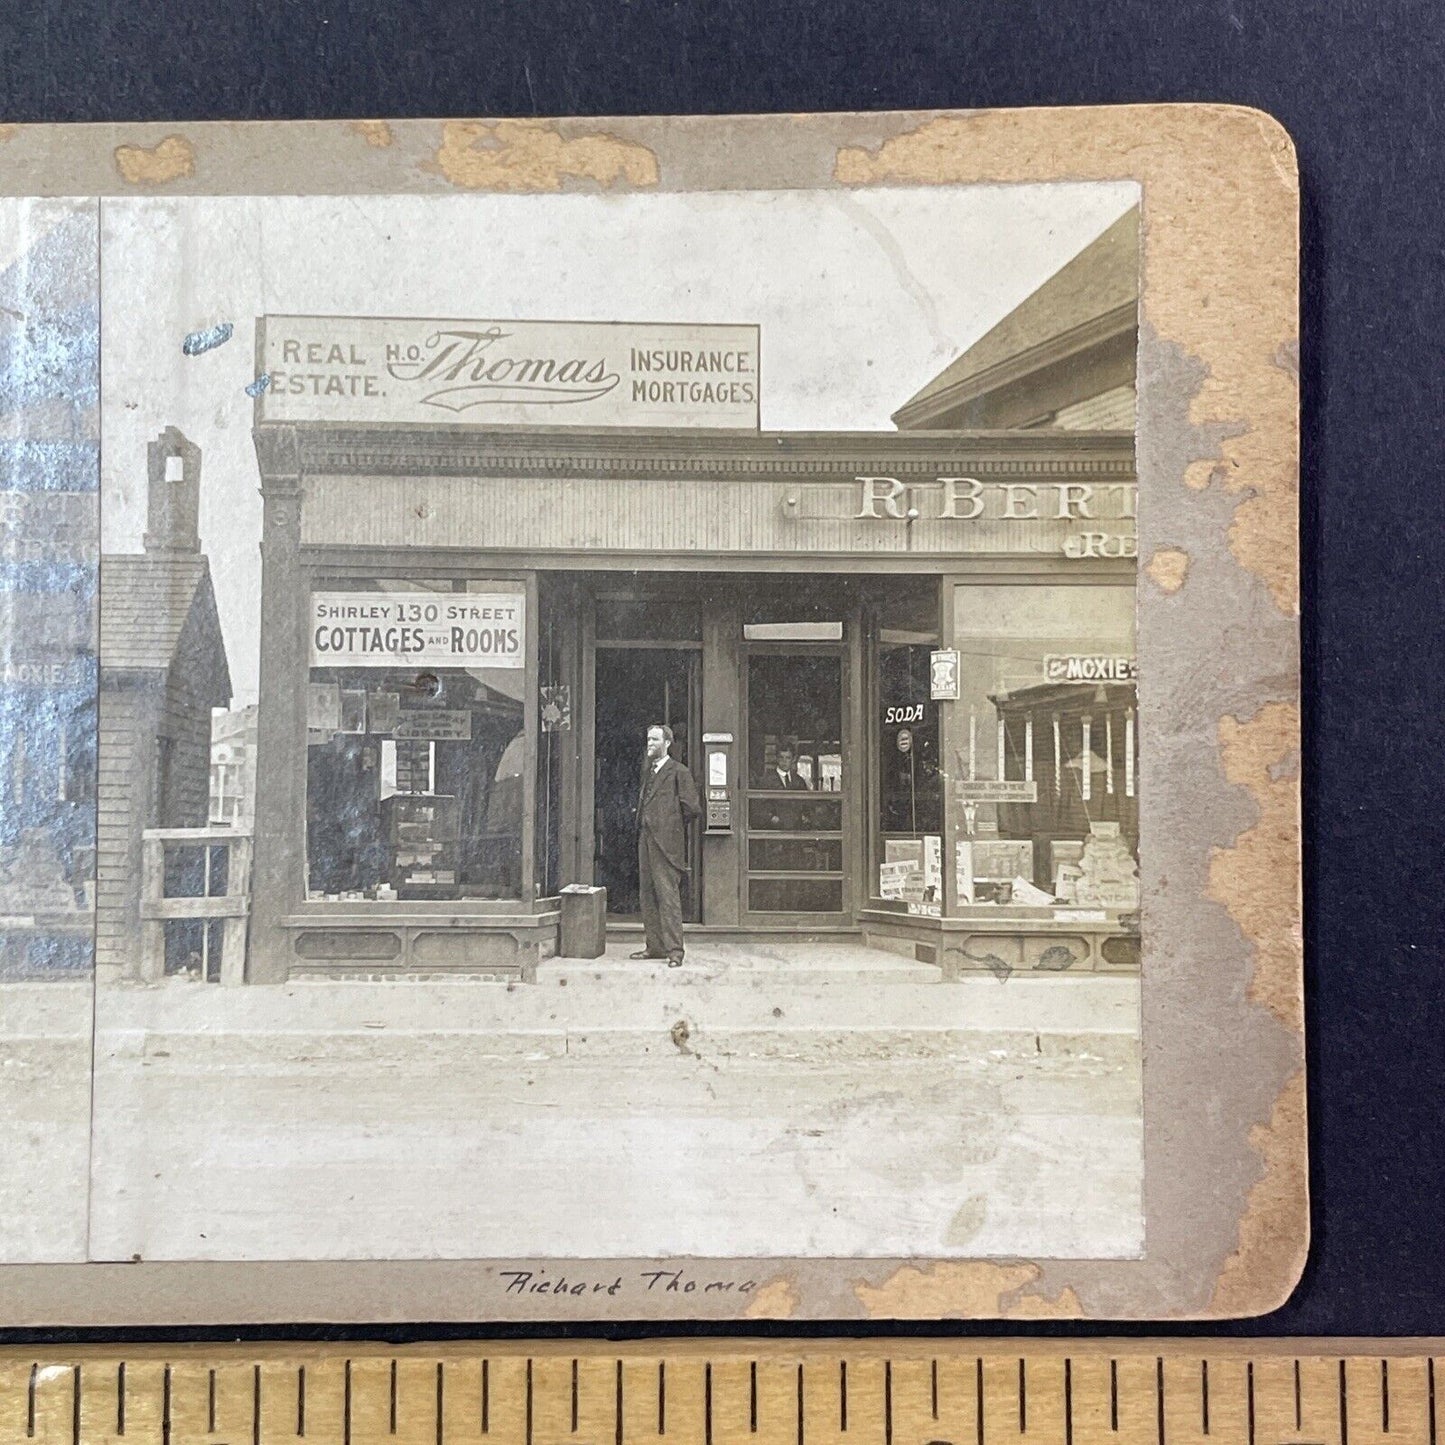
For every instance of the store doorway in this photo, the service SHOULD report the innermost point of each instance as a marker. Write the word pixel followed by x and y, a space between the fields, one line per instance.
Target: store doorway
pixel 635 688
pixel 800 784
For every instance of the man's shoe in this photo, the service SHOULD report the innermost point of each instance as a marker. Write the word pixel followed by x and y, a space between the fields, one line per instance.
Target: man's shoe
pixel 643 953
pixel 674 960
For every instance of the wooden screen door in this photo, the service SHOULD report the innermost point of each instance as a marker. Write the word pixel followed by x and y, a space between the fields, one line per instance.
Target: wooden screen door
pixel 796 817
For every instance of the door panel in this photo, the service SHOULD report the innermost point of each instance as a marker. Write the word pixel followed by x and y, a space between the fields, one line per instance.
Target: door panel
pixel 797 785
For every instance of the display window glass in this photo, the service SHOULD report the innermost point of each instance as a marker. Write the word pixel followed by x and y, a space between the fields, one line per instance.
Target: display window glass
pixel 906 727
pixel 908 866
pixel 416 739
pixel 1045 750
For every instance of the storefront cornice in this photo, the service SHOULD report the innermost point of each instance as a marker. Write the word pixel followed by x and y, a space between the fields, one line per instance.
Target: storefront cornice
pixel 468 451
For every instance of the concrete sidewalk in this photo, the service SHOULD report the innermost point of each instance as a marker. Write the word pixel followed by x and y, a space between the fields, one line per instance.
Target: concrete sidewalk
pixel 745 959
pixel 611 1109
pixel 619 1113
pixel 45 1042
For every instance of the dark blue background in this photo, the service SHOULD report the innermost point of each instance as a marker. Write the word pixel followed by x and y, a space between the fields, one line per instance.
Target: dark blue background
pixel 1359 85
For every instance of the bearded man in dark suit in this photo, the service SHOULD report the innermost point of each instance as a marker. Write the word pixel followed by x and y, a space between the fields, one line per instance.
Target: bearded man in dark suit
pixel 667 804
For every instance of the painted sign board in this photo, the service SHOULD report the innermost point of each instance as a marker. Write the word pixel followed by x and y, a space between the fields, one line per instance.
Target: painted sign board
pixel 360 370
pixel 1077 667
pixel 943 675
pixel 439 725
pixel 418 629
pixel 997 790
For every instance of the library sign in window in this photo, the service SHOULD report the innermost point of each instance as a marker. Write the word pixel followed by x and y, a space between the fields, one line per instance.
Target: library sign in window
pixel 1046 749
pixel 416 745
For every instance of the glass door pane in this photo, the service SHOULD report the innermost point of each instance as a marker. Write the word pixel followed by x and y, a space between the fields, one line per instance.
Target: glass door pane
pixel 796 783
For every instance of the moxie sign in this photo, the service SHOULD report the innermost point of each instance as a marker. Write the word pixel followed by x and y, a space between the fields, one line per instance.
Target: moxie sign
pixel 588 374
pixel 1081 667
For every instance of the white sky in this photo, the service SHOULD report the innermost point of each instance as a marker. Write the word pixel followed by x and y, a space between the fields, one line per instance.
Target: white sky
pixel 861 297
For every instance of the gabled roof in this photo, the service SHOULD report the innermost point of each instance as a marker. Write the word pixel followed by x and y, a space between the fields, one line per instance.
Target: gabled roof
pixel 146 602
pixel 1093 295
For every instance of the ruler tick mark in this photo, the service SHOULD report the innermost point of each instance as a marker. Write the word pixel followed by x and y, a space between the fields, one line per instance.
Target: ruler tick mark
pixel 1204 1394
pixel 1249 1398
pixel 753 1397
pixel 1430 1394
pixel 933 1387
pixel 30 1403
pixel 166 1406
pixel 120 1398
pixel 391 1423
pixel 707 1403
pixel 978 1404
pixel 1114 1395
pixel 574 1396
pixel 1023 1400
pixel 346 1403
pixel 75 1405
pixel 211 1403
pixel 1298 1399
pixel 1159 1396
pixel 888 1402
pixel 662 1397
pixel 1385 1396
pixel 442 1402
pixel 486 1397
pixel 1068 1401
pixel 256 1405
pixel 619 1402
pixel 301 1399
pixel 1344 1408
pixel 529 1402
pixel 842 1395
pixel 801 1417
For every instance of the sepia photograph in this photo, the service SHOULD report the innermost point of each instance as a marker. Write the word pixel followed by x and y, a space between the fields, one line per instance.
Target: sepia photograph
pixel 690 751
pixel 617 727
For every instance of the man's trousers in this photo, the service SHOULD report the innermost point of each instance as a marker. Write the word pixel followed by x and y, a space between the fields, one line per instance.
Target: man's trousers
pixel 660 887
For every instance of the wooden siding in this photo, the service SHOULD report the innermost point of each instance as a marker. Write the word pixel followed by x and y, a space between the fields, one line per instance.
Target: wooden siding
pixel 1109 410
pixel 194 687
pixel 128 718
pixel 136 709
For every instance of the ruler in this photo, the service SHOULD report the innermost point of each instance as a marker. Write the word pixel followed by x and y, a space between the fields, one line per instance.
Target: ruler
pixel 730 1392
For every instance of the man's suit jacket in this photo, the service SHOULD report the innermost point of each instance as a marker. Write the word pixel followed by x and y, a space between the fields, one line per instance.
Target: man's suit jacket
pixel 793 781
pixel 667 804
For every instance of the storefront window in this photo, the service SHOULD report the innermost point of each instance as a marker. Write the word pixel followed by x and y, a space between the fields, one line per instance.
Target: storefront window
pixel 1045 749
pixel 907 833
pixel 416 746
pixel 910 792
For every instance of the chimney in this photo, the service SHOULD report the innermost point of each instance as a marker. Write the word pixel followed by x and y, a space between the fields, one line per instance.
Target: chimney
pixel 173 501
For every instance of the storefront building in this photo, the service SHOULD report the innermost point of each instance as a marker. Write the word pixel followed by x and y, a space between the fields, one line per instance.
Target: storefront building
pixel 468 626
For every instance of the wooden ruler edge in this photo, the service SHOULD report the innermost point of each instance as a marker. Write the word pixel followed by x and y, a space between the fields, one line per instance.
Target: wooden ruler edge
pixel 906 1347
